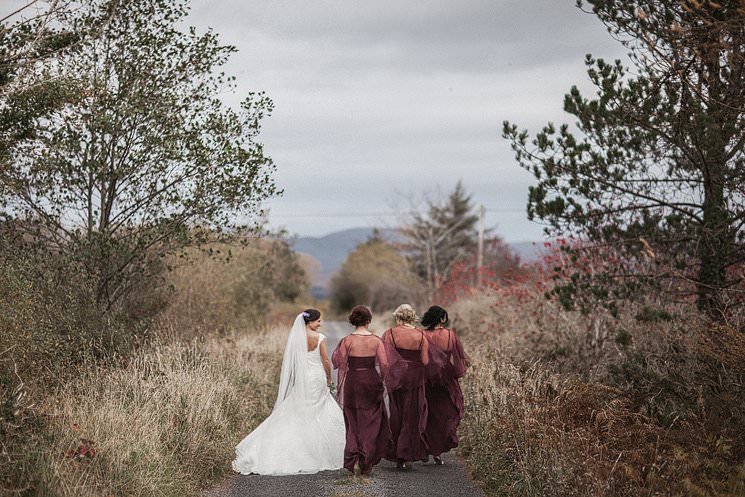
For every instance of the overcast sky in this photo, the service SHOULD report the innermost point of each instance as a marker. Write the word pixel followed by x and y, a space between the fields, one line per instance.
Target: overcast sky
pixel 379 99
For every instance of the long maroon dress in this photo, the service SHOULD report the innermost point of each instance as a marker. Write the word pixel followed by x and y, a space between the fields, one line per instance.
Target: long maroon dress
pixel 408 403
pixel 444 396
pixel 360 394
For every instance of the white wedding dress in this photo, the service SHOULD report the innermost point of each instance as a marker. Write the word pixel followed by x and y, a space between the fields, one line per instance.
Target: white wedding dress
pixel 305 432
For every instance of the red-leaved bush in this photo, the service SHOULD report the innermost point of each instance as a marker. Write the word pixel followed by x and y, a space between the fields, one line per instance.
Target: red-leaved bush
pixel 643 399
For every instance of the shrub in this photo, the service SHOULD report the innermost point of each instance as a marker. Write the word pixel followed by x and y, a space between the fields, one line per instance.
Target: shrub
pixel 374 274
pixel 650 314
pixel 233 286
pixel 569 403
pixel 50 334
pixel 49 324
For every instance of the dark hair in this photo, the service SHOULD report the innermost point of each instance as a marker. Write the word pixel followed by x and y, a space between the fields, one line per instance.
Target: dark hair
pixel 434 316
pixel 311 315
pixel 360 316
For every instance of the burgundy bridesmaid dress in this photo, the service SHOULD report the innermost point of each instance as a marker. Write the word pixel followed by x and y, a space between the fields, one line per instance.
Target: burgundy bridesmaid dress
pixel 408 403
pixel 443 392
pixel 360 394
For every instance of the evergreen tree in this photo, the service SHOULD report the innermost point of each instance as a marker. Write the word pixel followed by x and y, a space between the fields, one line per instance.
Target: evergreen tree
pixel 440 236
pixel 656 164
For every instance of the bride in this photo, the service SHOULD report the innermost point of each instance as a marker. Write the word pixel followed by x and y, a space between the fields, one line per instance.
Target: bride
pixel 305 432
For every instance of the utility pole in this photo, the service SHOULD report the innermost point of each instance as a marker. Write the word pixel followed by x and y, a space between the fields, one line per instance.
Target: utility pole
pixel 480 255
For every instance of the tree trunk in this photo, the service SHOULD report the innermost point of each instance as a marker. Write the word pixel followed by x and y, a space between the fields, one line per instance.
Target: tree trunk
pixel 716 240
pixel 714 246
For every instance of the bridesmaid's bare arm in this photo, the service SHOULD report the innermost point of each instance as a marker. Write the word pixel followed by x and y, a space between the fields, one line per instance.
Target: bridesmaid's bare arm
pixel 338 357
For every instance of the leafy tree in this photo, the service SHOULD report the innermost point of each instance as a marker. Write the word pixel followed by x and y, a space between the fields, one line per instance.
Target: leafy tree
pixel 145 159
pixel 23 41
pixel 655 167
pixel 374 274
pixel 445 232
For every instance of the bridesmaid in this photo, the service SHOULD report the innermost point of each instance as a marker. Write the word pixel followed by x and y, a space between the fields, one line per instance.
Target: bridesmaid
pixel 408 404
pixel 444 396
pixel 360 393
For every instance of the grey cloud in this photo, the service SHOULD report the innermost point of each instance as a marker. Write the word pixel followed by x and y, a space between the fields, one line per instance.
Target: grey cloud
pixel 373 97
pixel 430 21
pixel 472 35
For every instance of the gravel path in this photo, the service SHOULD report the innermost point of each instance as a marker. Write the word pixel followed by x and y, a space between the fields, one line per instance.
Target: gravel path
pixel 422 480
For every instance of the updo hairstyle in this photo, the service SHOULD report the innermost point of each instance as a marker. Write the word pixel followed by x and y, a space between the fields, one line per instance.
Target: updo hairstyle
pixel 360 316
pixel 310 315
pixel 434 317
pixel 405 314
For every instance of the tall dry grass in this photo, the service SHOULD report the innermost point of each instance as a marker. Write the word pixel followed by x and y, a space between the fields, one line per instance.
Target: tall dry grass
pixel 565 404
pixel 131 403
pixel 165 424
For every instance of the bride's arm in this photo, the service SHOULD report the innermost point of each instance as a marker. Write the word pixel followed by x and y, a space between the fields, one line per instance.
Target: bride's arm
pixel 325 361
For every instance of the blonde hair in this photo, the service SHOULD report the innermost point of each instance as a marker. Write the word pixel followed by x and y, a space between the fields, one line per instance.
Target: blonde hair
pixel 405 314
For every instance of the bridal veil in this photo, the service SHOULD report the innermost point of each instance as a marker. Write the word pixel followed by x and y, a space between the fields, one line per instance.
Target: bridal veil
pixel 294 363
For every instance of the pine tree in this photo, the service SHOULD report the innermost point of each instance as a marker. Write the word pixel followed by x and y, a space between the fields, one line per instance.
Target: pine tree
pixel 656 164
pixel 440 236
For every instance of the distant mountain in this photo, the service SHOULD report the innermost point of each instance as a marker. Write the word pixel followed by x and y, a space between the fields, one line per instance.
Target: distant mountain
pixel 331 251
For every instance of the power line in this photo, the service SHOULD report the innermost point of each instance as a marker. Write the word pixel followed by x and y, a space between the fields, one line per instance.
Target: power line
pixel 375 214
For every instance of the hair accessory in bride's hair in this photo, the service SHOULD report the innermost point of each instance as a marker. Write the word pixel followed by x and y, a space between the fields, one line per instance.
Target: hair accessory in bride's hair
pixel 306 314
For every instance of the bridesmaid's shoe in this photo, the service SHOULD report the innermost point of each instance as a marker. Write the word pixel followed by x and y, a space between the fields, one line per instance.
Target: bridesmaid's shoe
pixel 438 461
pixel 357 470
